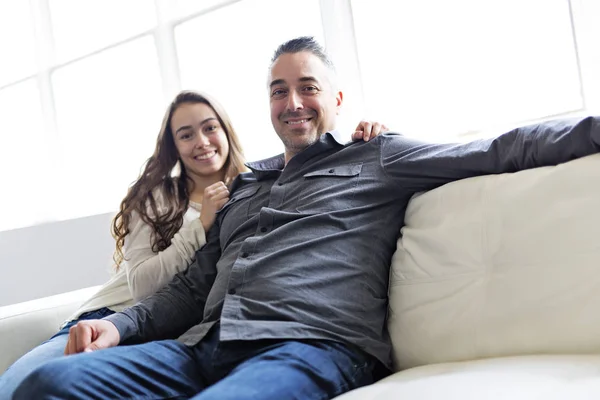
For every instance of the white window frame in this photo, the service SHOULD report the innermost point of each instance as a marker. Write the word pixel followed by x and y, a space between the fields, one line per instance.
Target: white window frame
pixel 340 41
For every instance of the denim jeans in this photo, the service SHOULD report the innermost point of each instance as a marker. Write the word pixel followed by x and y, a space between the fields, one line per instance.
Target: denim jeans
pixel 168 369
pixel 49 350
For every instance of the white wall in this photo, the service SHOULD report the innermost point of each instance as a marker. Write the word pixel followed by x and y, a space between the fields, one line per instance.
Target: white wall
pixel 53 258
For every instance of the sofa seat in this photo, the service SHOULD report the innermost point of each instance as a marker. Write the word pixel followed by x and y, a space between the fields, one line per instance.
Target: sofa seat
pixel 547 377
pixel 26 325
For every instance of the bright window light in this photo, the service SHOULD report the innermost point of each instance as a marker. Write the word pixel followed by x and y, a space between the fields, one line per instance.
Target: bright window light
pixel 109 110
pixel 437 68
pixel 16 41
pixel 24 157
pixel 186 7
pixel 80 27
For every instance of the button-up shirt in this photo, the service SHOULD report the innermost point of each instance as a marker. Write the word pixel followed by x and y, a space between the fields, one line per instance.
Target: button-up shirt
pixel 302 251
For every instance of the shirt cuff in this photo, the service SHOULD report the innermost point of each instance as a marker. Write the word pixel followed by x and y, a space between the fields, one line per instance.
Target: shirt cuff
pixel 124 324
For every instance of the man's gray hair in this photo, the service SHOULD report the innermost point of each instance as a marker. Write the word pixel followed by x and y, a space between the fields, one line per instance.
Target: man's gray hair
pixel 304 43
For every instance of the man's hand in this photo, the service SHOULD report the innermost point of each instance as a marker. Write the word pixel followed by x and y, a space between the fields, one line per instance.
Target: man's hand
pixel 91 335
pixel 215 197
pixel 367 130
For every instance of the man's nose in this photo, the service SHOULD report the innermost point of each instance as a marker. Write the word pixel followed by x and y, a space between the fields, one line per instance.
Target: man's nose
pixel 294 102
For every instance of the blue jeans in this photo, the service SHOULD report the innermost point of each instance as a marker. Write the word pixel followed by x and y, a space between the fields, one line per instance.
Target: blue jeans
pixel 168 369
pixel 49 350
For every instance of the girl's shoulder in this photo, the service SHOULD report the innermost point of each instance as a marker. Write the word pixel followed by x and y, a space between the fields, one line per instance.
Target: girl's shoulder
pixel 164 196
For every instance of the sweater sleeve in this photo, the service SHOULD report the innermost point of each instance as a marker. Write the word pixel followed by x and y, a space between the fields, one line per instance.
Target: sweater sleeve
pixel 148 271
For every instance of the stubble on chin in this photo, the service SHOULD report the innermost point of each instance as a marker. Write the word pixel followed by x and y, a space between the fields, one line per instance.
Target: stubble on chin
pixel 296 146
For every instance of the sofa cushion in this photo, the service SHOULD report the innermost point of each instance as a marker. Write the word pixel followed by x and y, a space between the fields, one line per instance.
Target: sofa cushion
pixel 500 265
pixel 515 378
pixel 25 325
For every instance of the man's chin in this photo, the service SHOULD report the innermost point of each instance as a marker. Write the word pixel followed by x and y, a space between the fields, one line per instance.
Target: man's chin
pixel 296 145
pixel 306 140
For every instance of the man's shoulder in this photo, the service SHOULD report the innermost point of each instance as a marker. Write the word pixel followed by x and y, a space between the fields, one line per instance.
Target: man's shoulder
pixel 242 180
pixel 247 176
pixel 381 137
pixel 375 143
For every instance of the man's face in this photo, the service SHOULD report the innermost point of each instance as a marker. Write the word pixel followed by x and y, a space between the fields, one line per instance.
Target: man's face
pixel 304 103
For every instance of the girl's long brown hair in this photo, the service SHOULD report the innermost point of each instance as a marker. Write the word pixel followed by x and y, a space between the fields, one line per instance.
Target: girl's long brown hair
pixel 159 198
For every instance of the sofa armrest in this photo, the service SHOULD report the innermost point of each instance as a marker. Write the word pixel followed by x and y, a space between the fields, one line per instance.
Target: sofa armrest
pixel 25 325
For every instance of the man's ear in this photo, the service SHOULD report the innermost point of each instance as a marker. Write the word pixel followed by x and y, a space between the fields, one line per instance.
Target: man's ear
pixel 339 98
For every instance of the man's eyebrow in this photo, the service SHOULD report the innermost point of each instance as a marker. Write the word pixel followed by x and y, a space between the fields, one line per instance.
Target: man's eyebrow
pixel 277 82
pixel 303 79
pixel 181 128
pixel 308 79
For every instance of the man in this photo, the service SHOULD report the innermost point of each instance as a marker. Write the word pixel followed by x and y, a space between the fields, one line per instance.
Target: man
pixel 288 298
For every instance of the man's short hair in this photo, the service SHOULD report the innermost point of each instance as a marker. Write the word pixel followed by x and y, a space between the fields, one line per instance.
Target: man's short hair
pixel 304 43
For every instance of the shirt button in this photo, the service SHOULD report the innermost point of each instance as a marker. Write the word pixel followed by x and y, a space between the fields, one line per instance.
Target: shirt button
pixel 231 291
pixel 263 229
pixel 245 255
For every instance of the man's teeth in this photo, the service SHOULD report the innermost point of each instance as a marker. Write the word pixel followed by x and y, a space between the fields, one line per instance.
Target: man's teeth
pixel 297 122
pixel 205 156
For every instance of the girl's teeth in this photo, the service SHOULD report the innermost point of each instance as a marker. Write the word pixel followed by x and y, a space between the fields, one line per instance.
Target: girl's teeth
pixel 205 156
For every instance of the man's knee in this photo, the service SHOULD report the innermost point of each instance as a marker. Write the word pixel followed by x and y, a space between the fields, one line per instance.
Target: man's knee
pixel 51 378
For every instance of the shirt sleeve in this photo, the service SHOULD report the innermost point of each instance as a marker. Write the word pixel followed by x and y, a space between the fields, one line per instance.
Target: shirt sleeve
pixel 420 166
pixel 148 271
pixel 176 307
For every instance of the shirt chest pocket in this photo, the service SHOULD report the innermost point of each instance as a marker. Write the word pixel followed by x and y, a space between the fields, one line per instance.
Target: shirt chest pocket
pixel 238 207
pixel 329 189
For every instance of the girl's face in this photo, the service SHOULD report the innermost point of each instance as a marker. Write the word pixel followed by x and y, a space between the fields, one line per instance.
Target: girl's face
pixel 200 140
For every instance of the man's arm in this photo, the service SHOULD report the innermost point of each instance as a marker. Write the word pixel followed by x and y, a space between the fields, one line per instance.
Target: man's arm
pixel 176 307
pixel 420 166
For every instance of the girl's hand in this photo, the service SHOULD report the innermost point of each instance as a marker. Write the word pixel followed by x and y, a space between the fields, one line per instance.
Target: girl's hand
pixel 215 197
pixel 367 130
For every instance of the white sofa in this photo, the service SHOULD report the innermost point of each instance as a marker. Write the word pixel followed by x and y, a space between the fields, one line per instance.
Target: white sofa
pixel 25 325
pixel 494 291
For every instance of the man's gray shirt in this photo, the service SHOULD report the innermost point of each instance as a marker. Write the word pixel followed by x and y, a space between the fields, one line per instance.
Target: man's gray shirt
pixel 303 252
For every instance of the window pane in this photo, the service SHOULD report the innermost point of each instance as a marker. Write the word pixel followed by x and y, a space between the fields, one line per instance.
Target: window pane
pixel 186 7
pixel 227 54
pixel 436 68
pixel 24 157
pixel 18 56
pixel 81 27
pixel 587 15
pixel 109 109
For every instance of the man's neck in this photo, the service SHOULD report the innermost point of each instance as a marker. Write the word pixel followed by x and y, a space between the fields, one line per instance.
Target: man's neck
pixel 288 156
pixel 289 153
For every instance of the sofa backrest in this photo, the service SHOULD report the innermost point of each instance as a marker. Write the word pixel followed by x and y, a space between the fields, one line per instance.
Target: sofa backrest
pixel 500 265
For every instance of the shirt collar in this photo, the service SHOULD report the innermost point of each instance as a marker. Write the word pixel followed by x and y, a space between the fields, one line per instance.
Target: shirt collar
pixel 266 167
pixel 337 136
